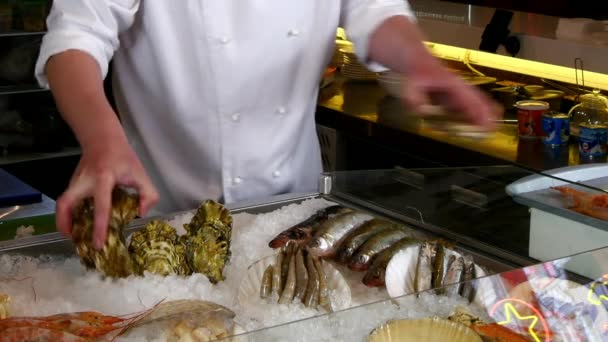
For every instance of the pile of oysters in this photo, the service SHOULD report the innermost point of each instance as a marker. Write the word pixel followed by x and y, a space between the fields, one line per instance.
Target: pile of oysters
pixel 157 248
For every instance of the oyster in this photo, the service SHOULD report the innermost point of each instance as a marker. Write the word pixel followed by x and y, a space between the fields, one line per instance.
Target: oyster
pixel 114 259
pixel 207 242
pixel 157 249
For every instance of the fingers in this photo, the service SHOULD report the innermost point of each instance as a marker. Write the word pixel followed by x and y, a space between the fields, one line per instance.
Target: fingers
pixel 103 204
pixel 63 213
pixel 416 98
pixel 422 96
pixel 148 196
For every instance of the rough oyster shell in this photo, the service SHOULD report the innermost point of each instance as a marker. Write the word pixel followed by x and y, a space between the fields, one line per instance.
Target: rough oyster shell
pixel 157 249
pixel 114 259
pixel 207 242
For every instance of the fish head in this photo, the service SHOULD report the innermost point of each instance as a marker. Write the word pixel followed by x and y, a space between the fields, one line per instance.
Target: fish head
pixel 318 246
pixel 343 254
pixel 374 277
pixel 359 262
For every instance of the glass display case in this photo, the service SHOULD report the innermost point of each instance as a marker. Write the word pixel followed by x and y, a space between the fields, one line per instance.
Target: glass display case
pixel 542 302
pixel 407 244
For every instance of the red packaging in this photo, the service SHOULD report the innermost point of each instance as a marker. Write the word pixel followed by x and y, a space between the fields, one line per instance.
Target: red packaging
pixel 529 118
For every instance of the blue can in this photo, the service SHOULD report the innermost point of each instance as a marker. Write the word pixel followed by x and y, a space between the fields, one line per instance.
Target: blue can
pixel 556 127
pixel 593 140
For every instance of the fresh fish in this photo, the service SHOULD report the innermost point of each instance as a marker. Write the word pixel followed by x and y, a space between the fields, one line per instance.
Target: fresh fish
pixel 454 275
pixel 290 283
pixel 288 252
pixel 468 292
pixel 311 299
pixel 424 267
pixel 266 288
pixel 301 277
pixel 358 236
pixel 376 272
pixel 323 290
pixel 303 231
pixel 376 244
pixel 331 232
pixel 440 265
pixel 277 285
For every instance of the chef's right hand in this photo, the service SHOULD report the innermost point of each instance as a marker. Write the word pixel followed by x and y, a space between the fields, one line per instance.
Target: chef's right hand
pixel 102 167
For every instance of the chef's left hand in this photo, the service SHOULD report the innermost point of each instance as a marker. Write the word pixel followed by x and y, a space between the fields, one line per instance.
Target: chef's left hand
pixel 398 44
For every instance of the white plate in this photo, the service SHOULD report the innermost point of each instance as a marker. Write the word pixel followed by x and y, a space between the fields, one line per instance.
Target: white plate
pixel 339 291
pixel 401 272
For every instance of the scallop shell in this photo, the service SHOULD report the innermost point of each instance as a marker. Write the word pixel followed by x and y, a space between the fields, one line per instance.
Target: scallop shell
pixel 425 329
pixel 339 291
pixel 401 272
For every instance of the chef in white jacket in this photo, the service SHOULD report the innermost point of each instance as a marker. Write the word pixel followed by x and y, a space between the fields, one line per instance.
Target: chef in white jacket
pixel 216 99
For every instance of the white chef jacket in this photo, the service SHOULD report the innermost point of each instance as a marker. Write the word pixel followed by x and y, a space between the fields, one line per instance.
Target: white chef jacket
pixel 217 97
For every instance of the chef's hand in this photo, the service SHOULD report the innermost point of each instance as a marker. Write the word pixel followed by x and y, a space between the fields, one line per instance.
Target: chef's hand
pixel 398 44
pixel 436 91
pixel 102 167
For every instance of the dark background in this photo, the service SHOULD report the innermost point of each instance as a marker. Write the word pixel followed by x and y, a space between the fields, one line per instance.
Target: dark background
pixel 595 9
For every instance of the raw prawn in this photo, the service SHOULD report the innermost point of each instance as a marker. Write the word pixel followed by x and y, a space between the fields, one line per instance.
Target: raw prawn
pixel 78 324
pixel 594 205
pixel 20 334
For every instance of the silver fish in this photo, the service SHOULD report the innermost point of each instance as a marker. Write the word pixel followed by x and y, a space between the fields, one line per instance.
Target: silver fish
pixel 266 288
pixel 440 267
pixel 301 277
pixel 358 236
pixel 323 290
pixel 311 299
pixel 468 292
pixel 376 244
pixel 453 276
pixel 290 282
pixel 424 267
pixel 277 285
pixel 329 235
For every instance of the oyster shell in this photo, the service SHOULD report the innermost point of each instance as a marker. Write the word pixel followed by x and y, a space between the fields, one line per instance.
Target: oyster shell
pixel 157 249
pixel 114 259
pixel 207 242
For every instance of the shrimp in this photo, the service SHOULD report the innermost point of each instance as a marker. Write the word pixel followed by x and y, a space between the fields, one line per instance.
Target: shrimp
pixel 594 205
pixel 88 324
pixel 21 334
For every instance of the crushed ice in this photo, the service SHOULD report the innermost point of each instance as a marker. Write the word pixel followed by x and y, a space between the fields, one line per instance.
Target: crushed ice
pixel 49 285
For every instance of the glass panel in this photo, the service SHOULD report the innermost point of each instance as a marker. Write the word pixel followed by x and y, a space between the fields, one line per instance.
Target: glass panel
pixel 548 301
pixel 472 203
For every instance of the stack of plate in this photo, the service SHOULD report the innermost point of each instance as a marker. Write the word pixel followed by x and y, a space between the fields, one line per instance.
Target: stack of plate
pixel 391 82
pixel 353 69
pixel 342 46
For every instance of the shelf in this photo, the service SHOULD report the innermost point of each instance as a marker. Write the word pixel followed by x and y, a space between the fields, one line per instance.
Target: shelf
pixel 25 157
pixel 20 89
pixel 21 33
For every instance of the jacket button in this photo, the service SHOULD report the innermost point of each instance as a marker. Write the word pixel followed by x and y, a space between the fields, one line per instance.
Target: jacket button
pixel 236 117
pixel 237 180
pixel 276 174
pixel 281 110
pixel 225 40
pixel 293 32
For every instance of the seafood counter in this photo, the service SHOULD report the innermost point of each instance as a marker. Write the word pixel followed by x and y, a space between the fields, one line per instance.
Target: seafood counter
pixel 216 273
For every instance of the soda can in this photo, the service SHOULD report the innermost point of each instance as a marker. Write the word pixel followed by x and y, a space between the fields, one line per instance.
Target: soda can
pixel 556 127
pixel 593 140
pixel 529 114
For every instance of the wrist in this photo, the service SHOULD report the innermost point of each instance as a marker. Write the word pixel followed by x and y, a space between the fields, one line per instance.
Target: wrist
pixel 102 135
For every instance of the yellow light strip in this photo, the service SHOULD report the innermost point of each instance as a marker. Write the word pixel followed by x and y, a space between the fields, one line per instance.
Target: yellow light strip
pixel 522 66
